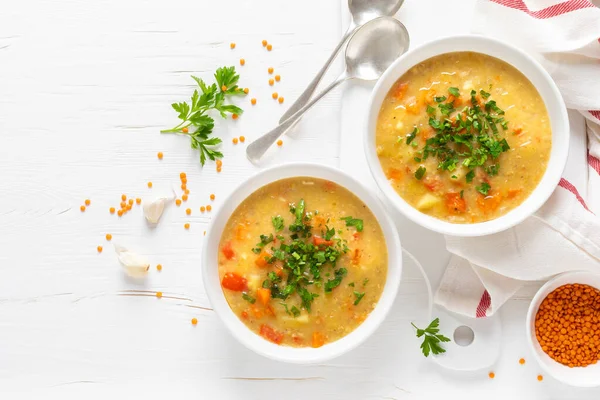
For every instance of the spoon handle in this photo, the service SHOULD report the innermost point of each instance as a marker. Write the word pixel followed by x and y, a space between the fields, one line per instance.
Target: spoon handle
pixel 308 92
pixel 257 148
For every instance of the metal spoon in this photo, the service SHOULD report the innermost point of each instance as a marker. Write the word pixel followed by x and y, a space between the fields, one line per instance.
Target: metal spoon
pixel 362 11
pixel 371 50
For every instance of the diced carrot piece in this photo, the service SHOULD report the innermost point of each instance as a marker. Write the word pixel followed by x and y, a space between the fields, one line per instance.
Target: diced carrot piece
pixel 426 132
pixel 235 282
pixel 489 203
pixel 330 186
pixel 269 310
pixel 455 204
pixel 413 107
pixel 240 231
pixel 279 271
pixel 244 314
pixel 512 193
pixel 263 295
pixel 228 251
pixel 319 220
pixel 261 260
pixel 257 312
pixel 400 89
pixel 318 339
pixel 356 256
pixel 394 174
pixel 432 183
pixel 518 131
pixel 356 235
pixel 319 241
pixel 271 334
pixel 297 339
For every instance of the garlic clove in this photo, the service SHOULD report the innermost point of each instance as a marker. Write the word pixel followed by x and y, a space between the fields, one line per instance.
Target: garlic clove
pixel 133 264
pixel 154 209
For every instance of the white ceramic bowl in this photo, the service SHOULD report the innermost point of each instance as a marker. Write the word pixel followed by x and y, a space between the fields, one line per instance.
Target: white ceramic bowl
pixel 538 77
pixel 580 376
pixel 255 342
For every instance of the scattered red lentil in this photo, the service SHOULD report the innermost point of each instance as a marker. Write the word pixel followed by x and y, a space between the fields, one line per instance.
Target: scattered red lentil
pixel 277 78
pixel 492 375
pixel 280 143
pixel 123 197
pixel 235 140
pixel 269 47
pixel 99 248
pixel 150 184
pixel 219 163
pixel 253 101
pixel 204 233
pixel 264 43
pixel 82 208
pixel 232 45
pixel 186 226
pixel 120 213
pixel 183 186
pixel 138 201
pixel 202 209
pixel 234 116
pixel 178 202
pixel 123 204
pixel 160 155
pixel 128 207
pixel 182 175
pixel 280 100
pixel 111 210
pixel 194 321
pixel 185 130
pixel 522 361
pixel 271 82
pixel 246 90
pixel 212 196
pixel 275 95
pixel 159 267
pixel 184 197
pixel 540 378
pixel 209 208
pixel 242 61
pixel 108 236
pixel 87 202
pixel 186 191
pixel 218 169
pixel 242 139
pixel 131 202
pixel 159 294
pixel 567 325
pixel 270 70
pixel 188 211
pixel 224 88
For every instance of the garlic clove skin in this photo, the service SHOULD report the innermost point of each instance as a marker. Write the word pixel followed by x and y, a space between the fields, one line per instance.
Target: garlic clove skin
pixel 133 264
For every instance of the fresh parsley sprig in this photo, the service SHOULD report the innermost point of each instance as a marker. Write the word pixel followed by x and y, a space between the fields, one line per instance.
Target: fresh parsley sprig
pixel 195 121
pixel 431 338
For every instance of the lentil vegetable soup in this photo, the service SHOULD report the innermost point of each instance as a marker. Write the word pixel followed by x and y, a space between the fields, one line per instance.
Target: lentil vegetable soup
pixel 302 262
pixel 463 137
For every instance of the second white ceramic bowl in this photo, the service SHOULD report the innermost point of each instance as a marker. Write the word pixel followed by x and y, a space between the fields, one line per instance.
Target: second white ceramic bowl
pixel 579 376
pixel 538 77
pixel 212 283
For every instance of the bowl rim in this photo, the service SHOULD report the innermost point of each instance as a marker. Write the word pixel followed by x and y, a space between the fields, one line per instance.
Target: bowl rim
pixel 580 277
pixel 238 329
pixel 559 149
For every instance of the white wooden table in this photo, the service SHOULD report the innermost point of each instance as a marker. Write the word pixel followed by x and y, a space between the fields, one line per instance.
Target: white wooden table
pixel 84 89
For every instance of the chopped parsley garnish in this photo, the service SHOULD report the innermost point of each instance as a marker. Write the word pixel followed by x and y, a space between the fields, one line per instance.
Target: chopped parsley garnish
pixel 358 223
pixel 335 282
pixel 358 296
pixel 431 338
pixel 351 284
pixel 248 298
pixel 420 173
pixel 483 189
pixel 463 138
pixel 278 223
pixel 365 281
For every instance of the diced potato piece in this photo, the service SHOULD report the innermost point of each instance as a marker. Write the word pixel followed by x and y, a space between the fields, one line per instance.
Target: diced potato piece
pixel 428 201
pixel 254 282
pixel 301 320
pixel 400 126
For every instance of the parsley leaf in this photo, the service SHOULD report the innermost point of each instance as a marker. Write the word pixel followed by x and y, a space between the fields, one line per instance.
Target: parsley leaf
pixel 483 189
pixel 335 282
pixel 430 110
pixel 439 99
pixel 484 94
pixel 359 297
pixel 248 298
pixel 277 223
pixel 411 136
pixel 358 223
pixel 420 173
pixel 454 91
pixel 470 175
pixel 431 338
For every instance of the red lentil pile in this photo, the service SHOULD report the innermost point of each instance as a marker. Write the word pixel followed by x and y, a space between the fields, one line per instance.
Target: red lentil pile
pixel 567 325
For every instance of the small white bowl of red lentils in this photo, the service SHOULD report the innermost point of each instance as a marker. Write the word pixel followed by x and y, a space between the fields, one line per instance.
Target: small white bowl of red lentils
pixel 563 328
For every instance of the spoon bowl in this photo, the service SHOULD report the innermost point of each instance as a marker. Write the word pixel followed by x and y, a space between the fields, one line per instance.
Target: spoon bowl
pixel 365 10
pixel 370 51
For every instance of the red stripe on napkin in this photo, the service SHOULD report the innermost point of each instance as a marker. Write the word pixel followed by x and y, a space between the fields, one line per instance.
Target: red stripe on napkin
pixel 483 305
pixel 569 186
pixel 549 12
pixel 595 113
pixel 594 162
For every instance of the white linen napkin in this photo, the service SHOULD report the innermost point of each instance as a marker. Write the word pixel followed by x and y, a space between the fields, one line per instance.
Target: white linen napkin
pixel 564 235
